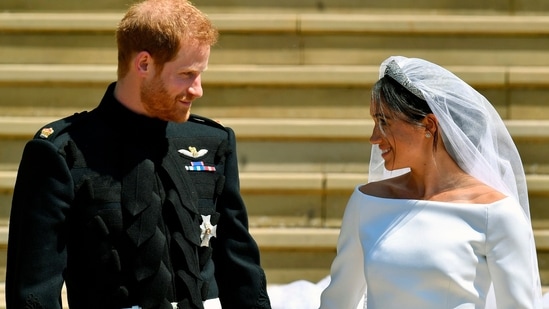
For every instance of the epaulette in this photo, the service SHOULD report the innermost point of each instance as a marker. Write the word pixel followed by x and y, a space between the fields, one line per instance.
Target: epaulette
pixel 53 129
pixel 206 121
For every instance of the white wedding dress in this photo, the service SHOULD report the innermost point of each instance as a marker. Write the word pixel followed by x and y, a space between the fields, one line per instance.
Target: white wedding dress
pixel 416 254
pixel 419 254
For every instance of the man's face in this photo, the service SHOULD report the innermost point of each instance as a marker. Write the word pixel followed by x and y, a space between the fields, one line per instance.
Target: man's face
pixel 168 94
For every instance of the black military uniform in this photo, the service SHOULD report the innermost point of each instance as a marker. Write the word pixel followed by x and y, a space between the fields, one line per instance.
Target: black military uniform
pixel 128 210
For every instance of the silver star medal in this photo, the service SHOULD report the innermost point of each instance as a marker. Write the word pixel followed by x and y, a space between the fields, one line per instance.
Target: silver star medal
pixel 207 231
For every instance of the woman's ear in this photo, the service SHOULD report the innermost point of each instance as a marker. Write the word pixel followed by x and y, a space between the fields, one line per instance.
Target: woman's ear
pixel 430 123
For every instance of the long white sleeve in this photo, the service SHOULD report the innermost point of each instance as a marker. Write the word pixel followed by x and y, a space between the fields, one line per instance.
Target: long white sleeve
pixel 347 285
pixel 511 258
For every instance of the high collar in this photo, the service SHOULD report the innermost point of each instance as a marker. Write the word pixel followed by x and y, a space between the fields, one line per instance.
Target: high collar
pixel 128 122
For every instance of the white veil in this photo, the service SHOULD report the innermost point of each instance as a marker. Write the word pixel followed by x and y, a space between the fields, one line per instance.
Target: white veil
pixel 472 130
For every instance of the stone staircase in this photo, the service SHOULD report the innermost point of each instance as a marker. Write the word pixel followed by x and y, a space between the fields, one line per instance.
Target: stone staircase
pixel 293 79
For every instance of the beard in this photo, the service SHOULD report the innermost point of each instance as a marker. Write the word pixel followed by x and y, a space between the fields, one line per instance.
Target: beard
pixel 158 103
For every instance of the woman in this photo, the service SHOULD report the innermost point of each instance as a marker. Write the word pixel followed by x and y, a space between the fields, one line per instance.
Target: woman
pixel 444 221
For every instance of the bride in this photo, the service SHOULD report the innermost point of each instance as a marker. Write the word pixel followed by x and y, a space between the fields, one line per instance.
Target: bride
pixel 444 219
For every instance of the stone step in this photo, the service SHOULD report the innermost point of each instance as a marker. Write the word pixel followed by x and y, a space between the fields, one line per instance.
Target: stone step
pixel 297 22
pixel 264 91
pixel 286 199
pixel 287 129
pixel 294 38
pixel 299 172
pixel 487 7
pixel 289 254
pixel 297 145
pixel 511 76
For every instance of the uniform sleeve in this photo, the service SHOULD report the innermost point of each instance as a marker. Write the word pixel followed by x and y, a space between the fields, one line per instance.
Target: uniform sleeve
pixel 512 258
pixel 240 278
pixel 347 283
pixel 36 243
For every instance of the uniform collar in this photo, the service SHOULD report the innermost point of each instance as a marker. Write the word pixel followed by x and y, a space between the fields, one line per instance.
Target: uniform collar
pixel 128 122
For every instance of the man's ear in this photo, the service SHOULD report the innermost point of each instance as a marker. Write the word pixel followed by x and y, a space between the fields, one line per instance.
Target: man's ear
pixel 142 62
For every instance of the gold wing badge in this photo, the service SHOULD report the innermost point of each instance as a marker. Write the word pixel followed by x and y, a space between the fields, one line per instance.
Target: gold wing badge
pixel 197 166
pixel 193 153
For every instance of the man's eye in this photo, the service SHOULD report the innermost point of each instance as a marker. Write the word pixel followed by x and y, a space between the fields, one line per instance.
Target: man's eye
pixel 190 74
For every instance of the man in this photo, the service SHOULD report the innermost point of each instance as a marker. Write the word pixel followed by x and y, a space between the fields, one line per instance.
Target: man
pixel 136 203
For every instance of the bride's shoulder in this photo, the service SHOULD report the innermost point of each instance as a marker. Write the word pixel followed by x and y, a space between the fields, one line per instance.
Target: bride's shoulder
pixel 373 188
pixel 478 193
pixel 386 188
pixel 468 190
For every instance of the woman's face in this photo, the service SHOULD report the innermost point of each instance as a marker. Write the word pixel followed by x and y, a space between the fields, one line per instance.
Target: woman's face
pixel 402 144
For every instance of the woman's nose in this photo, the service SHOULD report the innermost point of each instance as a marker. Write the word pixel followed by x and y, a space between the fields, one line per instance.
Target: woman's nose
pixel 375 138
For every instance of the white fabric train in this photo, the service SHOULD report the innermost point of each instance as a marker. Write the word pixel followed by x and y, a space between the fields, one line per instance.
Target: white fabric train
pixel 208 304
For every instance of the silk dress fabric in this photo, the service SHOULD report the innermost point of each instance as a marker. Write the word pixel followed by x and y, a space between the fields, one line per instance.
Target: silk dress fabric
pixel 421 254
